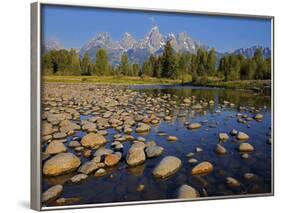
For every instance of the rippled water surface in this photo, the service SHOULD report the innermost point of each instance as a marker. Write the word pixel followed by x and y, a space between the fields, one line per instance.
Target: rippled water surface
pixel 121 182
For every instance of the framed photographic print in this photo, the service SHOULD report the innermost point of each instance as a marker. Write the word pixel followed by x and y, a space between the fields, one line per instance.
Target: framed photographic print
pixel 139 105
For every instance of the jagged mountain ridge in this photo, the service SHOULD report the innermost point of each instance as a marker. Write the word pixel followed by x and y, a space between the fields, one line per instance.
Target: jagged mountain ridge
pixel 153 43
pixel 139 51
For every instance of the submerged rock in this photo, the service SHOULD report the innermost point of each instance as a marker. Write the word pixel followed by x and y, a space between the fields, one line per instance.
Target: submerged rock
pixel 67 201
pixel 232 182
pixel 52 193
pixel 202 168
pixel 78 178
pixel 60 164
pixel 167 167
pixel 100 172
pixel 187 192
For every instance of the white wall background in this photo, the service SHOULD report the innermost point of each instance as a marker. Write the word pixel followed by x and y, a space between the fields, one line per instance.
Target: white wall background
pixel 15 104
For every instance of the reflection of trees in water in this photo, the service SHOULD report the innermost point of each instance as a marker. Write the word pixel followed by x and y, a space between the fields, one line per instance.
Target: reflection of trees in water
pixel 238 97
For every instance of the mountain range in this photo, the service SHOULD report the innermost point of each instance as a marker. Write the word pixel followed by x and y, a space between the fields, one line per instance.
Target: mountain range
pixel 153 43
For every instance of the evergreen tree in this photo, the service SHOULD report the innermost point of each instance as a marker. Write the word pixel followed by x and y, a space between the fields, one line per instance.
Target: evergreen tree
pixel 102 64
pixel 147 68
pixel 136 69
pixel 169 66
pixel 86 65
pixel 74 66
pixel 125 66
pixel 211 62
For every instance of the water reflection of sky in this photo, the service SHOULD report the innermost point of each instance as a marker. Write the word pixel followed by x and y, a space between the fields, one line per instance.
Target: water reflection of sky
pixel 121 185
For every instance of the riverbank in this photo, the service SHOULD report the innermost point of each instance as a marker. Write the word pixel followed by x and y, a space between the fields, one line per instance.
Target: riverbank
pixel 254 85
pixel 110 80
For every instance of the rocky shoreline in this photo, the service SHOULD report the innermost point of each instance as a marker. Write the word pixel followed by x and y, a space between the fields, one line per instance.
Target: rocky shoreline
pixel 94 110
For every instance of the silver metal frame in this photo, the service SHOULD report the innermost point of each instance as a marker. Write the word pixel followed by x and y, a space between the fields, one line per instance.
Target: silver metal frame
pixel 36 167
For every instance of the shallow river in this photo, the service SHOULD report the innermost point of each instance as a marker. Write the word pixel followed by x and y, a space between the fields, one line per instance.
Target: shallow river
pixel 121 182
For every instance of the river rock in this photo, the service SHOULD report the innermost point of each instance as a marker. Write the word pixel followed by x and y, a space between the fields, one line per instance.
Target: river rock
pixel 52 193
pixel 153 151
pixel 47 129
pixel 55 148
pixel 232 182
pixel 88 167
pixel 249 176
pixel 233 132
pixel 140 188
pixel 112 159
pixel 60 164
pixel 172 138
pixel 242 136
pixel 192 160
pixel 67 201
pixel 167 167
pixel 202 168
pixel 187 192
pixel 74 144
pixel 196 107
pixel 136 155
pixel 100 172
pixel 102 151
pixel 245 147
pixel 59 135
pixel 259 117
pixel 220 149
pixel 78 178
pixel 194 126
pixel 142 127
pixel 93 140
pixel 223 136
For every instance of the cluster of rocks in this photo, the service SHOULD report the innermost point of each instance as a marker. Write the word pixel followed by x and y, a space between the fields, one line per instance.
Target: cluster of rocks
pixel 68 109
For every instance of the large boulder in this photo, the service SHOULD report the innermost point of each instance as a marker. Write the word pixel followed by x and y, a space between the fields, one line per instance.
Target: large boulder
pixel 55 148
pixel 187 192
pixel 52 193
pixel 167 167
pixel 135 155
pixel 60 164
pixel 93 140
pixel 202 168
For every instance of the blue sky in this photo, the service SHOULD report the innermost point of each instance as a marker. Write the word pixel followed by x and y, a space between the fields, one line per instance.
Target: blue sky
pixel 74 26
